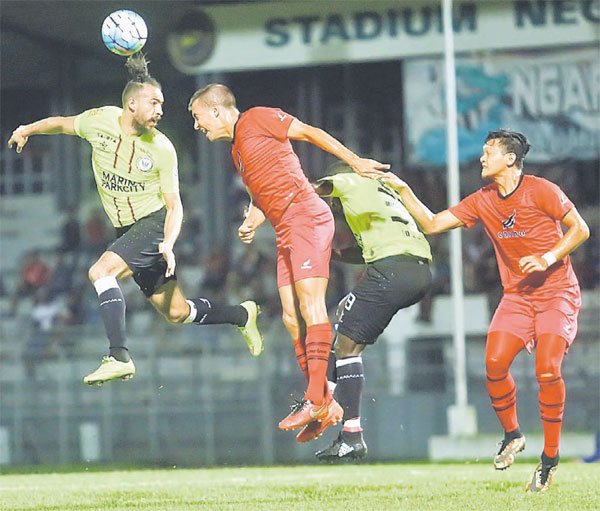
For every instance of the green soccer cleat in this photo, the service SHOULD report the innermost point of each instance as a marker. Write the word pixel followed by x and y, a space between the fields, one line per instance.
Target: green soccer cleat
pixel 508 450
pixel 250 331
pixel 110 369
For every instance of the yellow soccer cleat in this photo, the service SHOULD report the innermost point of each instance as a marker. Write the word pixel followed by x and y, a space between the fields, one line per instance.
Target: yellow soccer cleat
pixel 250 331
pixel 110 369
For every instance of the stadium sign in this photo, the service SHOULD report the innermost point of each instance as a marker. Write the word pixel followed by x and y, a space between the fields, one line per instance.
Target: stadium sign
pixel 554 97
pixel 306 33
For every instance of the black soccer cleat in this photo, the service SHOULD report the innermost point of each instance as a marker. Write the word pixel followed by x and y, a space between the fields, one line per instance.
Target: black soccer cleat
pixel 343 450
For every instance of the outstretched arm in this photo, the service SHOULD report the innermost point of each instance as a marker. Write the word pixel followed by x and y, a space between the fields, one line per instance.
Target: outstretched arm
pixel 307 133
pixel 429 222
pixel 48 126
pixel 577 233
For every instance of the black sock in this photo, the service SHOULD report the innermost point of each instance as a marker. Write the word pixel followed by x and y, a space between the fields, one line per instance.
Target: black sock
pixel 352 437
pixel 547 460
pixel 112 311
pixel 511 435
pixel 210 313
pixel 331 372
pixel 350 382
pixel 120 354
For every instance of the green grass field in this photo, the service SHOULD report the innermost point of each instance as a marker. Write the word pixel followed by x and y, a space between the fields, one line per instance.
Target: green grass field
pixel 439 487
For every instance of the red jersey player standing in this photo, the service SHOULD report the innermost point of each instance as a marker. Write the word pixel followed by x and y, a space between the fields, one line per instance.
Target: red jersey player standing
pixel 522 216
pixel 303 223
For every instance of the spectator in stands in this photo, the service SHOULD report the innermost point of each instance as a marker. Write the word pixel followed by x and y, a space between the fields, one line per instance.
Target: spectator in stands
pixel 45 314
pixel 33 275
pixel 96 237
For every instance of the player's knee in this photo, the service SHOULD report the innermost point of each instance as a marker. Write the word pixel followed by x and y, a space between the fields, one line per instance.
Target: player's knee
pixel 96 272
pixel 290 321
pixel 341 351
pixel 176 315
pixel 346 347
pixel 546 372
pixel 314 312
pixel 496 366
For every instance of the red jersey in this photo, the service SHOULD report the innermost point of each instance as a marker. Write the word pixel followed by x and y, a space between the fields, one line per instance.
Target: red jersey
pixel 525 222
pixel 264 157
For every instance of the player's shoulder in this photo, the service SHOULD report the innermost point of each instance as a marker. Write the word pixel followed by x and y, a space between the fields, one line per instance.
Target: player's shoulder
pixel 535 181
pixel 540 185
pixel 262 112
pixel 107 112
pixel 486 190
pixel 160 140
pixel 351 179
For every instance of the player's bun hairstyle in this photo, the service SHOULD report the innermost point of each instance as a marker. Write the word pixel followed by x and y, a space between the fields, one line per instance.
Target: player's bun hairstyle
pixel 512 142
pixel 214 94
pixel 137 66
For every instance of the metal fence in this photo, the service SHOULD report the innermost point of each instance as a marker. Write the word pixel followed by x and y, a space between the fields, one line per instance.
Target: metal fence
pixel 199 398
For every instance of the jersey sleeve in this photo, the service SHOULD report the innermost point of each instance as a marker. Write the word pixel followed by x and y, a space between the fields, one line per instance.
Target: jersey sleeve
pixel 273 121
pixel 168 168
pixel 85 121
pixel 466 210
pixel 552 200
pixel 342 183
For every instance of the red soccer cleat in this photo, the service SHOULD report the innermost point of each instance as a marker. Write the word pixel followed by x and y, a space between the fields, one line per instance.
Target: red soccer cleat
pixel 315 429
pixel 303 412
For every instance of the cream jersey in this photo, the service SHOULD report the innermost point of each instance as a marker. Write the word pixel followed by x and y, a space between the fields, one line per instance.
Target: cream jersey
pixel 380 222
pixel 131 172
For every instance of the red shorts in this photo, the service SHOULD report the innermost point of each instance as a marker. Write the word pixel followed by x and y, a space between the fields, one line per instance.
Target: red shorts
pixel 529 317
pixel 304 237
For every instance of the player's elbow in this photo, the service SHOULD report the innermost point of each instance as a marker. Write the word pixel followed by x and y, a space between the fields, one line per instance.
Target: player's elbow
pixel 584 232
pixel 431 228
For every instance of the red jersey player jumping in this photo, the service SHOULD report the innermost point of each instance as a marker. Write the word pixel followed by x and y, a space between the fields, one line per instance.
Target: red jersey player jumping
pixel 303 223
pixel 521 215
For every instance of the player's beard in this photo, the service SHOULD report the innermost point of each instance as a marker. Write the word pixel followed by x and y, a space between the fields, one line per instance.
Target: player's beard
pixel 146 126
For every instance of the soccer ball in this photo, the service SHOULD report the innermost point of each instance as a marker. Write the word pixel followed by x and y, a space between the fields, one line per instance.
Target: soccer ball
pixel 124 32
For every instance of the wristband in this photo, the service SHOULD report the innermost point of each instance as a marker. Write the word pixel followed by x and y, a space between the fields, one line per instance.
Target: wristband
pixel 550 258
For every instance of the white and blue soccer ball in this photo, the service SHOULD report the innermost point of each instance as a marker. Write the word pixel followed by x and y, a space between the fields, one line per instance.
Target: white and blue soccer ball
pixel 124 32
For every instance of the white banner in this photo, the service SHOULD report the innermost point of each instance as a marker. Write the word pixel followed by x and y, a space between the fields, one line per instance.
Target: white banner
pixel 309 32
pixel 553 98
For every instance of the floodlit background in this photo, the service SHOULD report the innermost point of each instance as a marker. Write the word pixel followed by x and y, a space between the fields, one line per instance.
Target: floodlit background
pixel 370 73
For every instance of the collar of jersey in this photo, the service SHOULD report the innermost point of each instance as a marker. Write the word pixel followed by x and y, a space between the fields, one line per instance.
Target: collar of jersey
pixel 504 197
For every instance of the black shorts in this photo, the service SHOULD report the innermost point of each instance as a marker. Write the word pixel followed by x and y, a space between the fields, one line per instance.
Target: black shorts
pixel 386 286
pixel 137 245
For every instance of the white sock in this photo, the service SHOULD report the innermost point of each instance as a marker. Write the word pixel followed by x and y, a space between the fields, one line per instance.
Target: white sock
pixel 352 424
pixel 345 361
pixel 105 283
pixel 193 312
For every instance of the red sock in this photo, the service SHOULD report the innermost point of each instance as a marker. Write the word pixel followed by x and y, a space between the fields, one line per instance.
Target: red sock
pixel 501 349
pixel 318 345
pixel 300 348
pixel 503 393
pixel 548 360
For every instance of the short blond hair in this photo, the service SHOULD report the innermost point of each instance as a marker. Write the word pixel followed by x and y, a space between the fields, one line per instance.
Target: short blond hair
pixel 214 94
